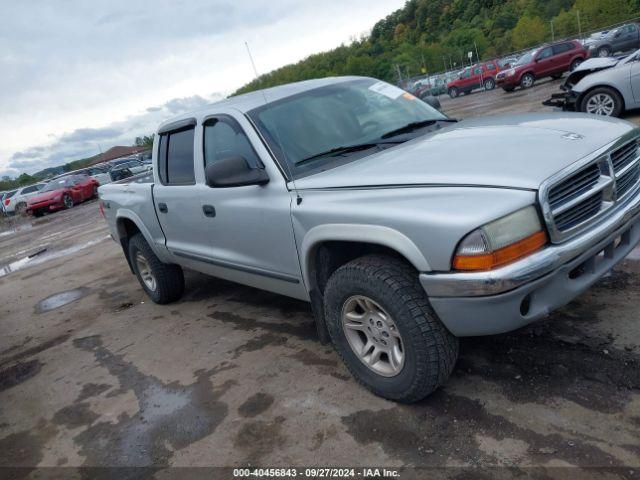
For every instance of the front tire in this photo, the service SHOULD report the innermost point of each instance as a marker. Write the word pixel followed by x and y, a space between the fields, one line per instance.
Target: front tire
pixel 454 92
pixel 163 283
pixel 602 101
pixel 604 52
pixel 383 327
pixel 67 201
pixel 527 80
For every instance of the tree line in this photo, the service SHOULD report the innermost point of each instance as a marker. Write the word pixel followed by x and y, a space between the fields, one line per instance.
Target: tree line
pixel 429 36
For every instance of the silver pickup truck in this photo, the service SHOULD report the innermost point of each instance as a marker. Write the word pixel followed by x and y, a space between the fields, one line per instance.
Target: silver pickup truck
pixel 403 228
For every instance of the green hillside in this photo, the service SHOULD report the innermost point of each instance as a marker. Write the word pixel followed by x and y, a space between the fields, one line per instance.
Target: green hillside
pixel 426 35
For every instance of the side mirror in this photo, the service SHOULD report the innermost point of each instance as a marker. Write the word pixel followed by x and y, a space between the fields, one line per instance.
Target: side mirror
pixel 234 172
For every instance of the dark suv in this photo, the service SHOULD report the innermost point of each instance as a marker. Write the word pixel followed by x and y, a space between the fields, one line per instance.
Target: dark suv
pixel 546 61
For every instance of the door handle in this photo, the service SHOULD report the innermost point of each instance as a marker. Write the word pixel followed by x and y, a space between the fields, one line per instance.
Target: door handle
pixel 209 210
pixel 163 207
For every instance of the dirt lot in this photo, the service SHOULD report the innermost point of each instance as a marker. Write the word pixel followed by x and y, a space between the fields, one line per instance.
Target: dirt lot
pixel 93 374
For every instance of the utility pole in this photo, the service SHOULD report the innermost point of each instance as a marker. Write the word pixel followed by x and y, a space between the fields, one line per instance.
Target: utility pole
pixel 553 36
pixel 579 26
pixel 399 74
pixel 444 62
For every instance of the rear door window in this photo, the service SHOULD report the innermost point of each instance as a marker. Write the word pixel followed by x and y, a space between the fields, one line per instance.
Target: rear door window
pixel 562 48
pixel 31 189
pixel 175 157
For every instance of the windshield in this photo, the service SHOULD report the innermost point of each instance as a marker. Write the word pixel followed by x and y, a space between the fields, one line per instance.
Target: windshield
pixel 340 115
pixel 66 182
pixel 526 58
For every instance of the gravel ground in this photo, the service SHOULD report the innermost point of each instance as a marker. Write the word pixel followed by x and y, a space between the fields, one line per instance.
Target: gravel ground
pixel 93 374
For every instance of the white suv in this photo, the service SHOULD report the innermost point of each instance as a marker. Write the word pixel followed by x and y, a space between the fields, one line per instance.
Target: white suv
pixel 17 203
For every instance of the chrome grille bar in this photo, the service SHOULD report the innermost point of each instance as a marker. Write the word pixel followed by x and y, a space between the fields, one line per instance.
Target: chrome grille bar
pixel 572 202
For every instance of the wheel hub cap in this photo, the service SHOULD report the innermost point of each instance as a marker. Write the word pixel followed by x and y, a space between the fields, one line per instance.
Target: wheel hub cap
pixel 373 336
pixel 601 104
pixel 145 272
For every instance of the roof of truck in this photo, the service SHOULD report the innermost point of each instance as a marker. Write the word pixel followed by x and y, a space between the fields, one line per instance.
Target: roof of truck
pixel 251 100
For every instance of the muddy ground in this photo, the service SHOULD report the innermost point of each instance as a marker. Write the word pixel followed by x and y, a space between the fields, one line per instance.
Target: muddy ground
pixel 93 374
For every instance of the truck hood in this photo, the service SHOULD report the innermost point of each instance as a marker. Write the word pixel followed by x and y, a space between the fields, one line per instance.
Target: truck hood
pixel 508 151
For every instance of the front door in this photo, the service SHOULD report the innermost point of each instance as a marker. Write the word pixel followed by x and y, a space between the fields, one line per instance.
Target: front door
pixel 250 231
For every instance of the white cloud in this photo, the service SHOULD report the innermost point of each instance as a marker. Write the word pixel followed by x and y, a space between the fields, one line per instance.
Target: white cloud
pixel 78 74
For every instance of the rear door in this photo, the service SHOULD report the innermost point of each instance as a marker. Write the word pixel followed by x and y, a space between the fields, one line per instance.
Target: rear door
pixel 562 56
pixel 629 37
pixel 634 78
pixel 176 195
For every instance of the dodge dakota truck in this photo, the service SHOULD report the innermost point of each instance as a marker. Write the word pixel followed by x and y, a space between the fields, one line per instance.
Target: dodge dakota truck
pixel 402 227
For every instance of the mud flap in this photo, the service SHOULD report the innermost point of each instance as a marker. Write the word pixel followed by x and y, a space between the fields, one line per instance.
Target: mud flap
pixel 317 309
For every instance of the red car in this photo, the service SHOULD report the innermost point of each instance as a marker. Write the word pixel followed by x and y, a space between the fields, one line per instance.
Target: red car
pixel 61 193
pixel 546 61
pixel 482 75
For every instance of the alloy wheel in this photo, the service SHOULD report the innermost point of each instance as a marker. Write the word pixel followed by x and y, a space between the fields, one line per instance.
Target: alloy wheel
pixel 373 336
pixel 68 201
pixel 145 271
pixel 601 104
pixel 527 81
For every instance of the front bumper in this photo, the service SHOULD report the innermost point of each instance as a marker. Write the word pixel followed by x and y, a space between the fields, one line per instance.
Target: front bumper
pixel 567 101
pixel 49 205
pixel 502 300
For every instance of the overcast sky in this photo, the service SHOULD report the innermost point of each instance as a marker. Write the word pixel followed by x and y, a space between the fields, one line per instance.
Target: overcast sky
pixel 80 76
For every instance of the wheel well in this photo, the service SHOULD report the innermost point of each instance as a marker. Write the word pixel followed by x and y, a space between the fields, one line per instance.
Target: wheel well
pixel 331 255
pixel 126 229
pixel 524 73
pixel 589 90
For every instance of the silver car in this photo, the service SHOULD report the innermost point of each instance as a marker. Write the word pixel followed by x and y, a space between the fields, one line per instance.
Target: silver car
pixel 602 86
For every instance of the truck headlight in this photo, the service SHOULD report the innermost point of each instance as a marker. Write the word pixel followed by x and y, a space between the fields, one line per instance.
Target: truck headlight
pixel 511 72
pixel 501 242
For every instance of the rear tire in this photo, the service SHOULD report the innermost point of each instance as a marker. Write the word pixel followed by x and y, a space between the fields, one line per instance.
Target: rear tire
pixel 575 64
pixel 163 283
pixel 418 354
pixel 21 209
pixel 604 52
pixel 489 84
pixel 509 89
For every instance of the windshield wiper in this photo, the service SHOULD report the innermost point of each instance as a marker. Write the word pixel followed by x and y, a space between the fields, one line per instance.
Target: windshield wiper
pixel 410 127
pixel 344 149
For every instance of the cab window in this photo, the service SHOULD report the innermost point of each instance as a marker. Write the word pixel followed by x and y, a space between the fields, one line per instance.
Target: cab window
pixel 224 138
pixel 545 53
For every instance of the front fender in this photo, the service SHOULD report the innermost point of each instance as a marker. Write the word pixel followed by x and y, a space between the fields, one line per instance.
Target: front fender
pixel 374 234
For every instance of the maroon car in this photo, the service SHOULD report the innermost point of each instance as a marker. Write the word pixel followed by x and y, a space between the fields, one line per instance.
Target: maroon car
pixel 482 75
pixel 546 61
pixel 63 192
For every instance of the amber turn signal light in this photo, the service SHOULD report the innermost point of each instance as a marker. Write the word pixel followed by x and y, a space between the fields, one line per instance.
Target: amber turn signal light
pixel 503 256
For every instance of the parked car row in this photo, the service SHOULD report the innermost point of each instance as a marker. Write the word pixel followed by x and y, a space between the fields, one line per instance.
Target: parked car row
pixel 68 189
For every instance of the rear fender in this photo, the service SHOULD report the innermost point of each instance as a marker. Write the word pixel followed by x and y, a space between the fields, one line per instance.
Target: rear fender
pixel 125 215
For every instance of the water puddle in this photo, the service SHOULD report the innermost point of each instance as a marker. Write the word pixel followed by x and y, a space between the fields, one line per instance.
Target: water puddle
pixel 16 229
pixel 44 256
pixel 60 299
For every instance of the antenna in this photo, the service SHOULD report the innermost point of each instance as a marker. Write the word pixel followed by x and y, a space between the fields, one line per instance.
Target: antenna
pixel 264 96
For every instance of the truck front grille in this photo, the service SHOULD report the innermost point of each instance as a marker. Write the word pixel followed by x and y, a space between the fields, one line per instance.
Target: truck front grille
pixel 572 203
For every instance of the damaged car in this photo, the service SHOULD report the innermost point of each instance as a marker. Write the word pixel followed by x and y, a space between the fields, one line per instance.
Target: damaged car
pixel 602 86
